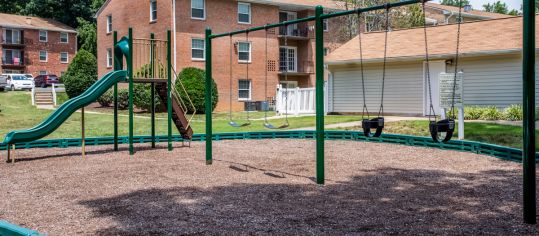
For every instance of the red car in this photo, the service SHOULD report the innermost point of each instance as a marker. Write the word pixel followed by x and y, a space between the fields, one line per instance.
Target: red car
pixel 46 80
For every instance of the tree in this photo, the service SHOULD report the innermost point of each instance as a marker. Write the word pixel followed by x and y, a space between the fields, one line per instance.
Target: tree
pixel 11 6
pixel 65 11
pixel 87 36
pixel 455 3
pixel 497 7
pixel 81 73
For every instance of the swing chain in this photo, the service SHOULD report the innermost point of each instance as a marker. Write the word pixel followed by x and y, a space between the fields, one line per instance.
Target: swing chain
pixel 365 109
pixel 459 23
pixel 381 110
pixel 432 112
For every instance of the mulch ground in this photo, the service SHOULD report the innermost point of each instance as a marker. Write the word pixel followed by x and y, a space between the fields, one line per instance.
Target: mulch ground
pixel 262 187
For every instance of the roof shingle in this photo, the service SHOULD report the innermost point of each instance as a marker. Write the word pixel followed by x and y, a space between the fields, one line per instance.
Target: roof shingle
pixel 31 22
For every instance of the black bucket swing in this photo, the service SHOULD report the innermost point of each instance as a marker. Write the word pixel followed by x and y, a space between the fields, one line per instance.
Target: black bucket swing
pixel 231 121
pixel 373 127
pixel 267 124
pixel 442 130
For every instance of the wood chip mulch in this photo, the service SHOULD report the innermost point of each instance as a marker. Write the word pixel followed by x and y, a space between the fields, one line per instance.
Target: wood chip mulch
pixel 263 187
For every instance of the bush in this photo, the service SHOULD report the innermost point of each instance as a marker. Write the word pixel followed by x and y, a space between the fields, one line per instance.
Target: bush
pixel 142 97
pixel 513 112
pixel 491 113
pixel 106 99
pixel 472 113
pixel 123 99
pixel 81 73
pixel 194 81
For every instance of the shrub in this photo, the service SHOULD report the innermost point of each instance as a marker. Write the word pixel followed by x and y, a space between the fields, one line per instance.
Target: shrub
pixel 81 74
pixel 194 81
pixel 472 112
pixel 513 112
pixel 142 97
pixel 106 99
pixel 123 99
pixel 537 113
pixel 491 113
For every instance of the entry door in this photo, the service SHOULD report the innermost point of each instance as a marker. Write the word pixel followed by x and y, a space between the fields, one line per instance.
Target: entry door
pixel 288 59
pixel 435 68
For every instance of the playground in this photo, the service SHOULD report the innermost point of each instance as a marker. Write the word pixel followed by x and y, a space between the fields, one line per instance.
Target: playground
pixel 166 174
pixel 401 190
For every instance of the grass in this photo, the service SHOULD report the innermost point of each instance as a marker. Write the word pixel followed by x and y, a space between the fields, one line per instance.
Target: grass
pixel 505 135
pixel 18 113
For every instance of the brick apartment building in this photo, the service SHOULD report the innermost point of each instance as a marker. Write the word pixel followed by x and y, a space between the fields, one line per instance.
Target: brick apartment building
pixel 188 20
pixel 34 45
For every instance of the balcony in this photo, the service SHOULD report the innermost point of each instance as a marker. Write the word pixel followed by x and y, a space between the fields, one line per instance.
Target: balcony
pixel 297 33
pixel 13 63
pixel 13 43
pixel 302 68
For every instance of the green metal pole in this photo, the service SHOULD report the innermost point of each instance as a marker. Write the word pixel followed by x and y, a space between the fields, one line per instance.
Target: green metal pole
pixel 319 96
pixel 169 89
pixel 115 67
pixel 208 105
pixel 152 89
pixel 131 91
pixel 528 79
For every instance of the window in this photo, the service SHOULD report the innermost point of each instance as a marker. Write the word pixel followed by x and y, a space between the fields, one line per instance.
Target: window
pixel 42 72
pixel 43 56
pixel 288 84
pixel 244 13
pixel 64 37
pixel 109 24
pixel 153 10
pixel 291 30
pixel 12 36
pixel 325 25
pixel 43 36
pixel 198 9
pixel 64 57
pixel 12 57
pixel 109 57
pixel 244 52
pixel 244 89
pixel 288 59
pixel 62 73
pixel 326 51
pixel 197 49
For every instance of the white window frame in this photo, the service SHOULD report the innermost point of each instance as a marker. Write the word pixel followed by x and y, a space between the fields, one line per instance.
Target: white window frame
pixel 153 10
pixel 250 52
pixel 12 34
pixel 46 36
pixel 67 57
pixel 110 60
pixel 289 84
pixel 203 50
pixel 250 12
pixel 46 56
pixel 250 90
pixel 325 25
pixel 109 24
pixel 67 37
pixel 44 72
pixel 203 10
pixel 295 58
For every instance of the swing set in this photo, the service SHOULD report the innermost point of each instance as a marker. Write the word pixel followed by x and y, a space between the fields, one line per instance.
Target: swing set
pixel 441 130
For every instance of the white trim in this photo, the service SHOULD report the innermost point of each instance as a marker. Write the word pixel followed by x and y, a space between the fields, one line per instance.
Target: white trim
pixel 325 22
pixel 250 52
pixel 46 36
pixel 250 90
pixel 204 10
pixel 46 56
pixel 67 58
pixel 109 55
pixel 250 13
pixel 203 49
pixel 109 23
pixel 67 38
pixel 151 11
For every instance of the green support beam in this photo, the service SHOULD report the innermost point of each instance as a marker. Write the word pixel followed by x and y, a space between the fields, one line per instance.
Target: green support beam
pixel 116 67
pixel 131 91
pixel 528 81
pixel 152 87
pixel 208 96
pixel 169 89
pixel 319 27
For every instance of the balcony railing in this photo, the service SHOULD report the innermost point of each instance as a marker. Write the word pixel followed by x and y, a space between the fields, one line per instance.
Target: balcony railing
pixel 302 32
pixel 19 42
pixel 12 61
pixel 303 67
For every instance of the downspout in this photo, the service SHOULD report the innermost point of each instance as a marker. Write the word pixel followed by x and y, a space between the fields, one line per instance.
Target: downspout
pixel 174 32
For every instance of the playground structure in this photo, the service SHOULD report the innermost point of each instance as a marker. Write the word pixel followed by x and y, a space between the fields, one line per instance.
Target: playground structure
pixel 141 52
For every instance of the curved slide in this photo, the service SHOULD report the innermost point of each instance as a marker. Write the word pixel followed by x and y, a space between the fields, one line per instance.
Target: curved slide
pixel 63 112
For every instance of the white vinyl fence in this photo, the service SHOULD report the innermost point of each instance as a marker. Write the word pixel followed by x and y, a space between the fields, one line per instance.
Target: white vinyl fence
pixel 296 101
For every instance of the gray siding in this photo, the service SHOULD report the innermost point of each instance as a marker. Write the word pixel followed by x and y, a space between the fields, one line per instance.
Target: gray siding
pixel 403 89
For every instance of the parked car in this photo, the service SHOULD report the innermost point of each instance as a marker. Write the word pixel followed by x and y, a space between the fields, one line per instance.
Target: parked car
pixel 3 82
pixel 44 81
pixel 29 76
pixel 19 82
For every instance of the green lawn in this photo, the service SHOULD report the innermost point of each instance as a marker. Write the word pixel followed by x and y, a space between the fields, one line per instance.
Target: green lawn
pixel 18 113
pixel 506 135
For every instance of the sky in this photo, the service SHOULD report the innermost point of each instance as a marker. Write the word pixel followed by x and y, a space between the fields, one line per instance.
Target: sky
pixel 478 4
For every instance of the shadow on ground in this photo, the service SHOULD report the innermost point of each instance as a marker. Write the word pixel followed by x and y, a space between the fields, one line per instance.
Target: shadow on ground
pixel 384 201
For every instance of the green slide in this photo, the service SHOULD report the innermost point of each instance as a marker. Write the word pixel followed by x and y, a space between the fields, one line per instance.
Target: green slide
pixel 65 110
